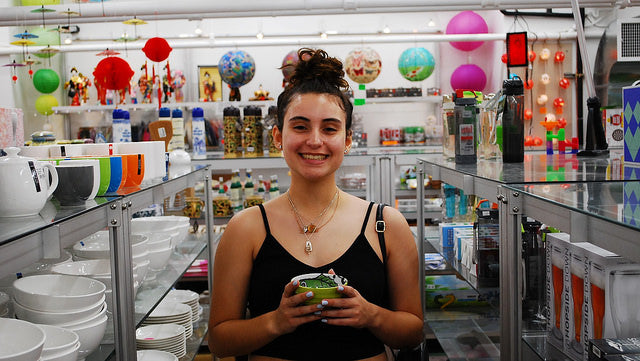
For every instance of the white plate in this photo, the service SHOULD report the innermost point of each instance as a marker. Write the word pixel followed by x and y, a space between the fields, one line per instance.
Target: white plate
pixel 155 355
pixel 170 310
pixel 159 332
pixel 182 296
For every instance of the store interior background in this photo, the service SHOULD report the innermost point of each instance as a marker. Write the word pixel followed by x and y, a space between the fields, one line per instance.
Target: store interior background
pixel 282 34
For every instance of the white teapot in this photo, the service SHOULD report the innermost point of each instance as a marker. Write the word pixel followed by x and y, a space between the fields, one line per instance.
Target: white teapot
pixel 24 184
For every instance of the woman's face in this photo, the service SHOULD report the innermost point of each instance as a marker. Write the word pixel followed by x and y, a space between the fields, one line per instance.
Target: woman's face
pixel 314 136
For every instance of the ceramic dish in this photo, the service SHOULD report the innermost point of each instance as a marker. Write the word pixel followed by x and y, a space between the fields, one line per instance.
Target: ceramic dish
pixel 323 285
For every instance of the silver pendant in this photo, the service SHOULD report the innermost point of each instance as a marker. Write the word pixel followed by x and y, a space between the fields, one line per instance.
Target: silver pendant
pixel 307 247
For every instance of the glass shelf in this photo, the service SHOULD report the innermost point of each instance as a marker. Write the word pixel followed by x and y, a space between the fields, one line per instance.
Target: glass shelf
pixel 152 291
pixel 536 345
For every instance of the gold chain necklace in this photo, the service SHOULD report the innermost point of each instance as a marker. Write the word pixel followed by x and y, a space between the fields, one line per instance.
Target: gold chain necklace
pixel 309 229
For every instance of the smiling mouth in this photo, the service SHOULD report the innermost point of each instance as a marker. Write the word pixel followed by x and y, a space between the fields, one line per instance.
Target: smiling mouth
pixel 314 156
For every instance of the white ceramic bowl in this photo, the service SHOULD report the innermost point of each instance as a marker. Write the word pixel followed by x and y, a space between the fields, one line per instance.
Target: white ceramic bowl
pixel 20 341
pixel 97 246
pixel 57 292
pixel 157 223
pixel 70 354
pixel 44 265
pixel 56 318
pixel 158 258
pixel 90 336
pixel 158 239
pixel 78 323
pixel 89 268
pixel 58 341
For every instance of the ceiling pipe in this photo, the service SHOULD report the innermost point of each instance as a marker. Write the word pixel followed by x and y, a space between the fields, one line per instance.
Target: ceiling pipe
pixel 297 41
pixel 201 9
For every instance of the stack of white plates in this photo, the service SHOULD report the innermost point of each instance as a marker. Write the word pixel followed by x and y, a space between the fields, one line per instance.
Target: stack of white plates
pixel 167 337
pixel 171 312
pixel 187 297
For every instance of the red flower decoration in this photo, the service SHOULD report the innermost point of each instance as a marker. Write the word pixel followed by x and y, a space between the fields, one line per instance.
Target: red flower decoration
pixel 113 73
pixel 528 114
pixel 532 55
pixel 559 57
pixel 157 49
pixel 564 83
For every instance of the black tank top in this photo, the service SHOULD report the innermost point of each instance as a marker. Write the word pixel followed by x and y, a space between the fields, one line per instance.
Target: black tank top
pixel 274 267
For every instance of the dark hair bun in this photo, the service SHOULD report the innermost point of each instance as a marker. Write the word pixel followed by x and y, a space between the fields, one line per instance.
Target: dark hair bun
pixel 317 65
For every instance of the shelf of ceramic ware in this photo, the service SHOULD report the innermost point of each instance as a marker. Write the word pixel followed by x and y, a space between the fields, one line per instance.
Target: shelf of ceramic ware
pixel 76 109
pixel 200 328
pixel 153 290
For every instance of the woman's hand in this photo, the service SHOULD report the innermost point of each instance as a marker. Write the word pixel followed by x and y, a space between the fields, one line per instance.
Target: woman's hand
pixel 350 310
pixel 292 312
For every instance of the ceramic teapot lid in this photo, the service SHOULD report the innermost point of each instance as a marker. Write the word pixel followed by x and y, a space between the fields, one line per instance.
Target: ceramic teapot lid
pixel 12 156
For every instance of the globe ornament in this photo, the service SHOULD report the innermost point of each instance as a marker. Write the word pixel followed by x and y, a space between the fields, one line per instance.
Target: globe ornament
pixel 363 65
pixel 236 68
pixel 468 77
pixel 45 104
pixel 416 64
pixel 289 64
pixel 46 81
pixel 467 22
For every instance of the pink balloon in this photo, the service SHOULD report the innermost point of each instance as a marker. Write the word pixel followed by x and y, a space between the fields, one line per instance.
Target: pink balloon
pixel 467 22
pixel 468 77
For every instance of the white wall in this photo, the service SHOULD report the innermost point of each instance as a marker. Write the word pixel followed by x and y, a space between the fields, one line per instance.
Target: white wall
pixel 268 59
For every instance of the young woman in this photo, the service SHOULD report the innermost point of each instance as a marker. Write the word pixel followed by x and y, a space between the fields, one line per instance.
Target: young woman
pixel 314 227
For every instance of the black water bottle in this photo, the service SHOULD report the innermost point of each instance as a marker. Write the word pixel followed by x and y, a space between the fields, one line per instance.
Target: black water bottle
pixel 513 121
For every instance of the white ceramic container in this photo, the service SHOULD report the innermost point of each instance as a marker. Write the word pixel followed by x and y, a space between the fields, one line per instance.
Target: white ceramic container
pixel 25 185
pixel 20 341
pixel 57 293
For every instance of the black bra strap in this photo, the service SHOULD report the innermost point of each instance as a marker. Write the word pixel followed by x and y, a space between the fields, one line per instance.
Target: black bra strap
pixel 366 218
pixel 264 218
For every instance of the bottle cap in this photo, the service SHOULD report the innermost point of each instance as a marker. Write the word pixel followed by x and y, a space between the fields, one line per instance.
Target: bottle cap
pixel 513 86
pixel 125 114
pixel 117 114
pixel 177 113
pixel 197 112
pixel 164 113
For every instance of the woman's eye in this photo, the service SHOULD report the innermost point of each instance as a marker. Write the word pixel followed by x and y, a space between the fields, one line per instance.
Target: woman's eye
pixel 299 127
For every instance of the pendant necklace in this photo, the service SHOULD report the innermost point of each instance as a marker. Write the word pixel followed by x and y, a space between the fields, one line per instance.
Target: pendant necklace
pixel 309 229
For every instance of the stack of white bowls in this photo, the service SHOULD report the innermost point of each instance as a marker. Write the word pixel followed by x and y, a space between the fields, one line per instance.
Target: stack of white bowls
pixel 176 226
pixel 44 265
pixel 98 269
pixel 160 250
pixel 5 303
pixel 60 344
pixel 96 246
pixel 20 341
pixel 167 337
pixel 171 312
pixel 155 355
pixel 188 298
pixel 75 303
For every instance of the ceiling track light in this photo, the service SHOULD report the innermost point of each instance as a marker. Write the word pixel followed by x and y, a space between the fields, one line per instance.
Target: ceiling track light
pixel 386 30
pixel 260 35
pixel 323 35
pixel 431 23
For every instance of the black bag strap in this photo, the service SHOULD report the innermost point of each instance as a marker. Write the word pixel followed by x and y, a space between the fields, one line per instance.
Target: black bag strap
pixel 381 226
pixel 420 352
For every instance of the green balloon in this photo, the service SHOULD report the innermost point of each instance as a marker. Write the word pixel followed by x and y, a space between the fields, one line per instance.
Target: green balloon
pixel 46 80
pixel 45 103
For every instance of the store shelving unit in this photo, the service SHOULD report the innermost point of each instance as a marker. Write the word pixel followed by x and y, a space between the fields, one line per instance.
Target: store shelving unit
pixel 496 182
pixel 27 240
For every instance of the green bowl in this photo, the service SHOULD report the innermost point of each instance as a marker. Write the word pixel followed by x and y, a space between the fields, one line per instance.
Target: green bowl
pixel 323 286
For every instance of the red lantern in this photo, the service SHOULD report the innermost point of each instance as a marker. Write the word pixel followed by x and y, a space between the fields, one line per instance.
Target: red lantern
pixel 532 55
pixel 528 114
pixel 559 57
pixel 113 73
pixel 528 141
pixel 504 58
pixel 528 84
pixel 558 102
pixel 564 83
pixel 537 141
pixel 157 49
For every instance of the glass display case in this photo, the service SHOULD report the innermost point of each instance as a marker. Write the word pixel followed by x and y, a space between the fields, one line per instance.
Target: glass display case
pixel 489 179
pixel 27 243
